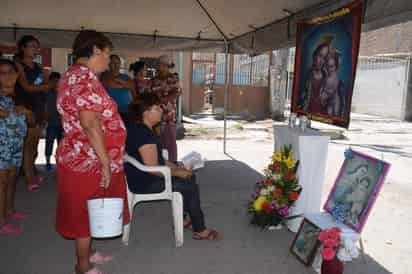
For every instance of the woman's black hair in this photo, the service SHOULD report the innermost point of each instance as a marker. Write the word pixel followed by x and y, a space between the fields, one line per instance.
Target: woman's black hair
pixel 145 102
pixel 8 62
pixel 137 66
pixel 114 56
pixel 23 41
pixel 54 75
pixel 85 42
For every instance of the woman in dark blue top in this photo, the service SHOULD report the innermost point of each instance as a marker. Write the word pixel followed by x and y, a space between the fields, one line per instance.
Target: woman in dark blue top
pixel 31 89
pixel 119 86
pixel 143 144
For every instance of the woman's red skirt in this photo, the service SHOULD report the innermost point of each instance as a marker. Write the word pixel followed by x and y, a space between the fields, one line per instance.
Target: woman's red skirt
pixel 73 191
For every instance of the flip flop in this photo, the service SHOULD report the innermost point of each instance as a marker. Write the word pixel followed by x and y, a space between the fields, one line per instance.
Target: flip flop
pixel 188 225
pixel 213 235
pixel 100 258
pixel 38 180
pixel 9 229
pixel 94 270
pixel 33 187
pixel 18 216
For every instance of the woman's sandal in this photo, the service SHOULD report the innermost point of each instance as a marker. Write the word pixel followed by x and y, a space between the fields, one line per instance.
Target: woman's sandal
pixel 33 187
pixel 18 216
pixel 188 225
pixel 9 229
pixel 212 236
pixel 100 258
pixel 93 270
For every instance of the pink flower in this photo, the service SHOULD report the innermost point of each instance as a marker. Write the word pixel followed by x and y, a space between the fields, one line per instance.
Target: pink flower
pixel 334 234
pixel 284 211
pixel 323 235
pixel 330 243
pixel 328 253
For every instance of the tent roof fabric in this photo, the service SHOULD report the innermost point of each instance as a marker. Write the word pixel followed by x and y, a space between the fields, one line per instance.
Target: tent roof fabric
pixel 179 24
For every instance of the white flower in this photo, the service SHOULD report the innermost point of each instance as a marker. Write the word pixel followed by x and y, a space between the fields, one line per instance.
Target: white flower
pixel 72 79
pixel 107 113
pixel 264 192
pixel 77 147
pixel 67 127
pixel 348 251
pixel 271 188
pixel 276 177
pixel 95 98
pixel 80 102
pixel 91 153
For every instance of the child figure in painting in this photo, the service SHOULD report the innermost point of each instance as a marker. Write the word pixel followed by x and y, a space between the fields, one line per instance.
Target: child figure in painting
pixel 358 198
pixel 331 92
pixel 347 185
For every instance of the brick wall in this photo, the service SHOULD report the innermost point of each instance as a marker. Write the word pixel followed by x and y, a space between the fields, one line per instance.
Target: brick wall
pixel 392 39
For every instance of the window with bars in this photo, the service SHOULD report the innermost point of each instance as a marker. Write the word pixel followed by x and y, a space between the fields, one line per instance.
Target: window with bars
pixel 203 67
pixel 253 71
pixel 208 67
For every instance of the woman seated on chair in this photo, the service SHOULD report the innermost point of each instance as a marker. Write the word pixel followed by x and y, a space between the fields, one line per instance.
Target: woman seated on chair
pixel 143 145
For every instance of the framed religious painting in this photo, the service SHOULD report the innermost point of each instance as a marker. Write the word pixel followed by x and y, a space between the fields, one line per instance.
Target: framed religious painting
pixel 325 65
pixel 306 243
pixel 356 188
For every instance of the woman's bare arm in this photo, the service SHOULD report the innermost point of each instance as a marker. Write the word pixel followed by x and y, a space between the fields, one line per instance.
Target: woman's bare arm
pixel 25 84
pixel 149 157
pixel 92 127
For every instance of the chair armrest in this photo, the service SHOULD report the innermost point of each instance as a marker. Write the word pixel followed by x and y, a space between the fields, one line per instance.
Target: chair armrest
pixel 164 170
pixel 165 154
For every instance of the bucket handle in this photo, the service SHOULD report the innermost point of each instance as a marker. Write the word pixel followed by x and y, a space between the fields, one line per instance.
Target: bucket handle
pixel 97 194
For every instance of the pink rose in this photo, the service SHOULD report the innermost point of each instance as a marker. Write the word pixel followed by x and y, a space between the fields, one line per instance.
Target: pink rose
pixel 328 253
pixel 323 235
pixel 330 243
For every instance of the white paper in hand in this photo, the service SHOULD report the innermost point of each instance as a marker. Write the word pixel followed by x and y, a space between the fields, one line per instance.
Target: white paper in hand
pixel 193 160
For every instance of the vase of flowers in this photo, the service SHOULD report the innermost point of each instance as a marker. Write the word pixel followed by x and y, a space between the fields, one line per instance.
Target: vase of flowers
pixel 331 244
pixel 276 194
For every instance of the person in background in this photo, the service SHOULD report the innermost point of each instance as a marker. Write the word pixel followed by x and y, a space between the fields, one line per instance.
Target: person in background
pixel 166 86
pixel 30 93
pixel 119 86
pixel 143 145
pixel 139 70
pixel 54 129
pixel 90 155
pixel 13 129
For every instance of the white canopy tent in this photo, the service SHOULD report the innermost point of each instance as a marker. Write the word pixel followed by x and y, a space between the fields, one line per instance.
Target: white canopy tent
pixel 229 25
pixel 251 26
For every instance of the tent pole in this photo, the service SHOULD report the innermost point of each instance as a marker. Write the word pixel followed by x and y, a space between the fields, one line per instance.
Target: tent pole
pixel 227 62
pixel 226 41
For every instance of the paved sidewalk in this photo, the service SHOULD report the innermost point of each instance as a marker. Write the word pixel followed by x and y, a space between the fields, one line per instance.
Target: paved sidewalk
pixel 226 184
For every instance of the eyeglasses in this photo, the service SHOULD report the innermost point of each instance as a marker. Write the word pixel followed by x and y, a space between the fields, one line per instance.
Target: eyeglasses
pixel 33 46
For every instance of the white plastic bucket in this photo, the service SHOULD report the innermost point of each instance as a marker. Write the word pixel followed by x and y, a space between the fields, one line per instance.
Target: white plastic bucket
pixel 105 217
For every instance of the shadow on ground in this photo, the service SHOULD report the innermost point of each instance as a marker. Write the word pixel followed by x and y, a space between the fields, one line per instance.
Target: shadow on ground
pixel 225 189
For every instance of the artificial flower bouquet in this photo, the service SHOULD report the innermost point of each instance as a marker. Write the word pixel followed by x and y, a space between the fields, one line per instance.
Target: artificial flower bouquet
pixel 275 195
pixel 334 246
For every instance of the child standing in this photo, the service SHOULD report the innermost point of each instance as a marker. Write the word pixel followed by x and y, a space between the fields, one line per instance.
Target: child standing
pixel 54 129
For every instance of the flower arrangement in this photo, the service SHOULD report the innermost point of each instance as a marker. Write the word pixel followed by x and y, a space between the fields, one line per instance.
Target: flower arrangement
pixel 275 195
pixel 333 246
pixel 330 239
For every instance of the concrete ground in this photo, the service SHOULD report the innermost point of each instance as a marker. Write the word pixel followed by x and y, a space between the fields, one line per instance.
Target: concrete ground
pixel 226 184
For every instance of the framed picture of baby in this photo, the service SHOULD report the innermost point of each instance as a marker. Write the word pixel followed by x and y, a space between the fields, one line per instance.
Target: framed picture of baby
pixel 306 242
pixel 325 65
pixel 356 188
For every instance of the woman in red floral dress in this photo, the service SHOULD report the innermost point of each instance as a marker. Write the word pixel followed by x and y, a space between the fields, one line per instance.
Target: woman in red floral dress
pixel 89 158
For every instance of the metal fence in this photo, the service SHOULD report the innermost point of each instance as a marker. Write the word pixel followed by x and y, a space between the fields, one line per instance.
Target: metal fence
pixel 380 87
pixel 247 70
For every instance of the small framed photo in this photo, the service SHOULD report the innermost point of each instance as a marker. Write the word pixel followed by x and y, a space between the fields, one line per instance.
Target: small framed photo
pixel 356 189
pixel 306 242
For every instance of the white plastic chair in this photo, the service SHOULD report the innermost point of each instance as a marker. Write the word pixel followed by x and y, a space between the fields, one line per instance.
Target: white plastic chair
pixel 175 197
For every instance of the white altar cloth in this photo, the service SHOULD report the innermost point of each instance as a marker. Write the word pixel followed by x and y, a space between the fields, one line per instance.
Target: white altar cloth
pixel 311 149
